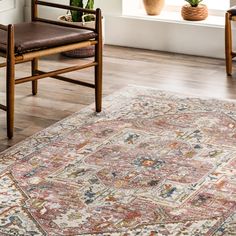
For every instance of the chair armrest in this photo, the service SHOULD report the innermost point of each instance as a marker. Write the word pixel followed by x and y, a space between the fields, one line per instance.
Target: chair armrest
pixel 3 27
pixel 232 12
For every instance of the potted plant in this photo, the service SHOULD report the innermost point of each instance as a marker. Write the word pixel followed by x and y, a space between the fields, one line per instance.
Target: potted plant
pixel 80 18
pixel 194 11
pixel 77 16
pixel 153 7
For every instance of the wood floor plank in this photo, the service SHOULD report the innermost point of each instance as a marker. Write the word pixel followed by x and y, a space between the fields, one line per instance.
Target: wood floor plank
pixel 56 100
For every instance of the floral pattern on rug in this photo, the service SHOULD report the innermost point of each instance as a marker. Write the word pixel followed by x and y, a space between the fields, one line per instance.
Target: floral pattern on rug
pixel 153 163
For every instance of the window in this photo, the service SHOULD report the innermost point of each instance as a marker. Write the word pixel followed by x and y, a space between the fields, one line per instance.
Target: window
pixel 212 4
pixel 216 7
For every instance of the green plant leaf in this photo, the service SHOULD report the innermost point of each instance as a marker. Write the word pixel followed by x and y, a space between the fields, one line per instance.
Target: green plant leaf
pixel 77 16
pixel 194 3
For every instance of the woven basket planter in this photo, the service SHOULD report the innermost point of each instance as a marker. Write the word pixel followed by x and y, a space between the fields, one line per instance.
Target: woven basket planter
pixel 194 13
pixel 153 7
pixel 80 53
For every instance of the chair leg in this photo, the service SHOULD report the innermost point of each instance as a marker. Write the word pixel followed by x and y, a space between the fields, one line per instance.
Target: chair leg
pixel 10 83
pixel 228 44
pixel 98 77
pixel 98 59
pixel 10 100
pixel 34 68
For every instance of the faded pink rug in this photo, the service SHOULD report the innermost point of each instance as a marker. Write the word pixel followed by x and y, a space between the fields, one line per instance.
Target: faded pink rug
pixel 152 163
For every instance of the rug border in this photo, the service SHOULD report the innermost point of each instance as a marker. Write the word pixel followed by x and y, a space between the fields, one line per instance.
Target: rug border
pixel 107 97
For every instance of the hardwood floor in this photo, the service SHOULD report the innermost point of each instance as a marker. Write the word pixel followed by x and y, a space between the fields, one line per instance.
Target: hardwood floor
pixel 122 66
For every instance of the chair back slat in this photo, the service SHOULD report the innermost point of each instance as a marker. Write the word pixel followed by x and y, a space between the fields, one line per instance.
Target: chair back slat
pixel 61 6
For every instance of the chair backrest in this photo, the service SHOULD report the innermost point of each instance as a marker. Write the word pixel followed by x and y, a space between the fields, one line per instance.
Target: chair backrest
pixel 97 13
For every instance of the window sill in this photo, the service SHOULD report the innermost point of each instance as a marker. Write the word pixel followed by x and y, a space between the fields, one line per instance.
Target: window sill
pixel 175 17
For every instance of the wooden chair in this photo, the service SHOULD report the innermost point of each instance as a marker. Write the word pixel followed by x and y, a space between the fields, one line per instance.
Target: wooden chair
pixel 29 41
pixel 229 53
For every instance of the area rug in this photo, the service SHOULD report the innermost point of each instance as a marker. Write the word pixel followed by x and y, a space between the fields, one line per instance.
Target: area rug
pixel 152 163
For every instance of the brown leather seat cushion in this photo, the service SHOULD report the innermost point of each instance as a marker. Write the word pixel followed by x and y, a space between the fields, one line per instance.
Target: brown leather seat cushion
pixel 232 11
pixel 36 35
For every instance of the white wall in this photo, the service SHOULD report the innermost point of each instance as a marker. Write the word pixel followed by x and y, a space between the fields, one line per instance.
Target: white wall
pixel 165 36
pixel 11 11
pixel 110 7
pixel 155 35
pixel 232 2
pixel 46 11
